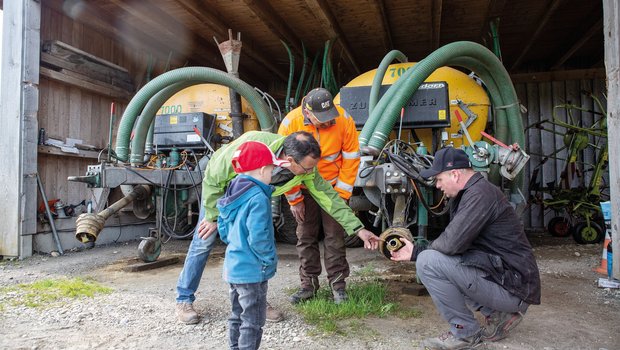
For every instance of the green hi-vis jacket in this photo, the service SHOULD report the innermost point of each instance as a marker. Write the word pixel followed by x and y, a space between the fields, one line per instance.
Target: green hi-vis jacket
pixel 220 172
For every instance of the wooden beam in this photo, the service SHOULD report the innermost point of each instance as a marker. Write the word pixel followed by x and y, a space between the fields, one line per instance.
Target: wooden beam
pixel 598 26
pixel 269 16
pixel 170 31
pixel 436 10
pixel 611 13
pixel 19 92
pixel 208 19
pixel 324 15
pixel 542 22
pixel 577 74
pixel 83 82
pixel 384 27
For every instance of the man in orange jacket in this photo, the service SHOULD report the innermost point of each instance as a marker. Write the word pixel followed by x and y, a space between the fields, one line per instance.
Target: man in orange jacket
pixel 335 131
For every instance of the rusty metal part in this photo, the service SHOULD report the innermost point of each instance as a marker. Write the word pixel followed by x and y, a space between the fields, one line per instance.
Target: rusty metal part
pixel 88 225
pixel 390 240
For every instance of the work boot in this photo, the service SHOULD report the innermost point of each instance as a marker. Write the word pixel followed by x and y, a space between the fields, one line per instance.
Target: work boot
pixel 447 341
pixel 187 314
pixel 273 315
pixel 340 296
pixel 302 295
pixel 499 324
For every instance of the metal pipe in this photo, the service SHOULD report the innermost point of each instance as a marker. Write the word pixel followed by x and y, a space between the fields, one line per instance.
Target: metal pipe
pixel 49 215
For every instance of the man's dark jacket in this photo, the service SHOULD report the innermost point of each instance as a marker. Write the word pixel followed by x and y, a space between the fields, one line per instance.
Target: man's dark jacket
pixel 485 230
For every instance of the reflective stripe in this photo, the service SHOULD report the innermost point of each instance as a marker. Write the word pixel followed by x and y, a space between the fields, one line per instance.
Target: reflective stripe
pixel 332 157
pixel 332 180
pixel 294 196
pixel 286 122
pixel 350 155
pixel 344 186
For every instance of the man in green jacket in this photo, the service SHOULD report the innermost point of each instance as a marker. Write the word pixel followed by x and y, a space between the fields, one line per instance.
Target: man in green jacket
pixel 303 153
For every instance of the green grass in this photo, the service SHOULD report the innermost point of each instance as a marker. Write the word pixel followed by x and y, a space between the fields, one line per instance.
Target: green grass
pixel 368 299
pixel 46 292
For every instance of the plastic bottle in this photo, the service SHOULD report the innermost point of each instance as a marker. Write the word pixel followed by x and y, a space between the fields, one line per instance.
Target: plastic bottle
pixel 610 262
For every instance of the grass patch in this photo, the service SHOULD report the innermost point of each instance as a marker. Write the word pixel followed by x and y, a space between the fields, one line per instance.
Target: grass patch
pixel 367 271
pixel 45 292
pixel 368 299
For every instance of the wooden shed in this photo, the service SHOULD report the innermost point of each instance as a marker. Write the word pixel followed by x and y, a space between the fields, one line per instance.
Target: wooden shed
pixel 65 62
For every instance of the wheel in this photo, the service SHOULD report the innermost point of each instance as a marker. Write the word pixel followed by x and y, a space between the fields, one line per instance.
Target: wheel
pixel 286 233
pixel 584 234
pixel 559 226
pixel 149 249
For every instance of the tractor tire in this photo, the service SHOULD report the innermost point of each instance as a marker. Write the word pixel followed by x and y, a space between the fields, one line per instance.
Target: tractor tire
pixel 287 232
pixel 559 227
pixel 588 235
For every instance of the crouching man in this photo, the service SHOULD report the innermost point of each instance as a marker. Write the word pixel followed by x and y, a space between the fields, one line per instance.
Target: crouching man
pixel 482 261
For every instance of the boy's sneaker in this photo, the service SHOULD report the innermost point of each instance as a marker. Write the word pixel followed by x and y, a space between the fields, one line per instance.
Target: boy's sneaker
pixel 302 295
pixel 187 314
pixel 273 315
pixel 499 324
pixel 340 296
pixel 447 341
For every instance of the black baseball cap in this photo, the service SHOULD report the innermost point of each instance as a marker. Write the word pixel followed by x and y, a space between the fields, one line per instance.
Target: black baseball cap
pixel 321 104
pixel 447 158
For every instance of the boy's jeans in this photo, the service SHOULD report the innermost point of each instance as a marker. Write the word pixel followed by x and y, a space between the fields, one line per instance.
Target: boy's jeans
pixel 249 307
pixel 195 263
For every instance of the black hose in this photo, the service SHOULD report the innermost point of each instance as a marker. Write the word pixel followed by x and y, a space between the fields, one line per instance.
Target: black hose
pixel 171 232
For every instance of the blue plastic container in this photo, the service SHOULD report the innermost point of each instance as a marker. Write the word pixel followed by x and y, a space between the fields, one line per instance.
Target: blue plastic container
pixel 606 208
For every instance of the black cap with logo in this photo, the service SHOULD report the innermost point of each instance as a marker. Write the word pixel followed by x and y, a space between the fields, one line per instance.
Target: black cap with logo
pixel 321 104
pixel 447 158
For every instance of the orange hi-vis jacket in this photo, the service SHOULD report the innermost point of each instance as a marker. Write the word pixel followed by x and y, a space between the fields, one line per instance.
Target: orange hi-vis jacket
pixel 340 151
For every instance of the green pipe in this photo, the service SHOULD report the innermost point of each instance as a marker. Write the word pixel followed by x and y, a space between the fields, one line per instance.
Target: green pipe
pixel 312 74
pixel 146 120
pixel 148 146
pixel 380 73
pixel 200 75
pixel 301 78
pixel 495 35
pixel 400 92
pixel 291 71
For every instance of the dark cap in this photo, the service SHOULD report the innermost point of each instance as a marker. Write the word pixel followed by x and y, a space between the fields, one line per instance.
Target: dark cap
pixel 447 158
pixel 321 104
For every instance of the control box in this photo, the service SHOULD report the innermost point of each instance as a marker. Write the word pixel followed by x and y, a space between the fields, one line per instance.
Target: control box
pixel 177 130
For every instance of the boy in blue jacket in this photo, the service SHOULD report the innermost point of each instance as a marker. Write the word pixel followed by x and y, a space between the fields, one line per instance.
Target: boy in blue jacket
pixel 245 226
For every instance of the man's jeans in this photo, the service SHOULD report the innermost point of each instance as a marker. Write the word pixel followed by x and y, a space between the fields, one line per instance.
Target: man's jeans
pixel 454 286
pixel 195 263
pixel 249 310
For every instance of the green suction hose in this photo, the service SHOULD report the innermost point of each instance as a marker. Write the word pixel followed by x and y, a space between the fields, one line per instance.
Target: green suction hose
pixel 146 118
pixel 380 73
pixel 291 72
pixel 400 92
pixel 199 75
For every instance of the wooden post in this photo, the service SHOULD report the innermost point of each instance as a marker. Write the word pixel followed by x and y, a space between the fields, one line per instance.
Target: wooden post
pixel 19 90
pixel 611 32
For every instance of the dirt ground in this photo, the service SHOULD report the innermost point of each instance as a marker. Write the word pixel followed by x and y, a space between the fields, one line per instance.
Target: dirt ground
pixel 139 313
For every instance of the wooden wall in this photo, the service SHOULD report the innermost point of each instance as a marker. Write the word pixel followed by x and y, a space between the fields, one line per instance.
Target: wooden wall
pixel 69 111
pixel 540 98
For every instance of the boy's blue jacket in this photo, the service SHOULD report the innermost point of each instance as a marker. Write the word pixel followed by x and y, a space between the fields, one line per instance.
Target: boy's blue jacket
pixel 245 226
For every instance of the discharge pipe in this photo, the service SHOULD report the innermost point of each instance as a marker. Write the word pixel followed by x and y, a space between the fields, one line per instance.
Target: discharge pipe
pixel 88 225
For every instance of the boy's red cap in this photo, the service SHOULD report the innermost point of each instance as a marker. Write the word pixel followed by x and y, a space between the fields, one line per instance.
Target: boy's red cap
pixel 253 155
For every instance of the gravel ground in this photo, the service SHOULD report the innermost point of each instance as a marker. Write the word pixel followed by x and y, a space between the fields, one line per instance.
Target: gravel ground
pixel 575 314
